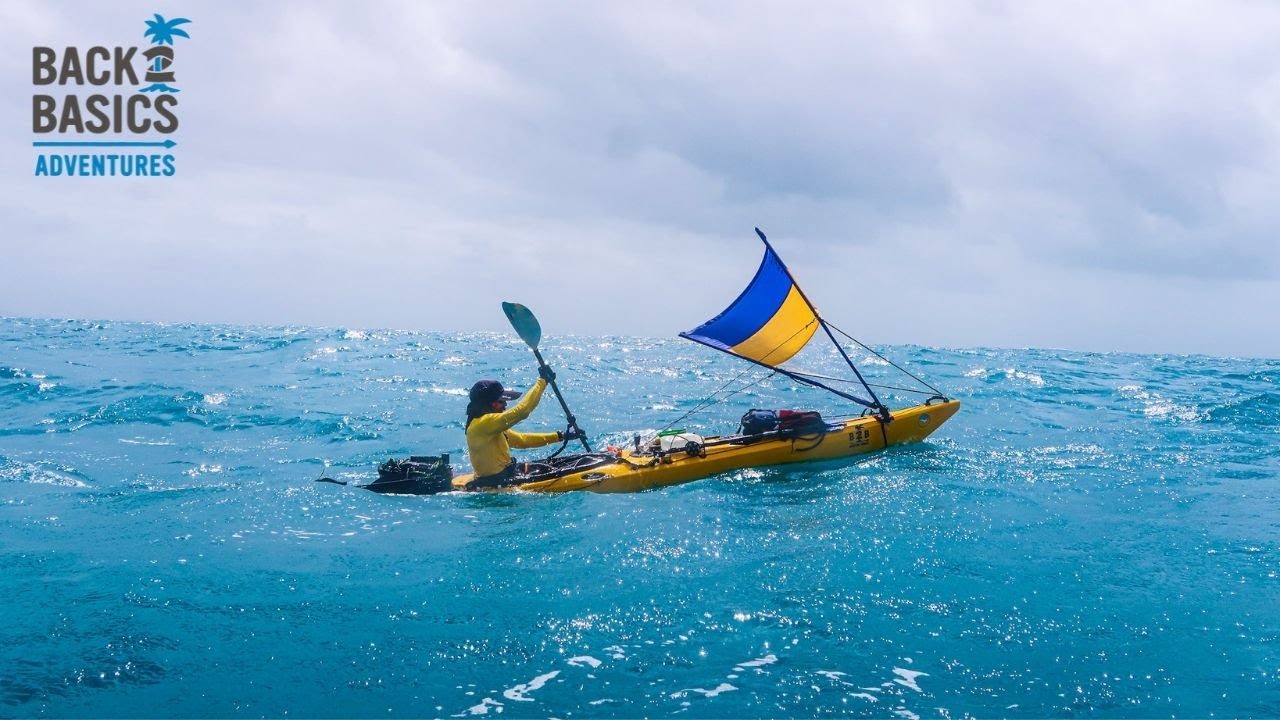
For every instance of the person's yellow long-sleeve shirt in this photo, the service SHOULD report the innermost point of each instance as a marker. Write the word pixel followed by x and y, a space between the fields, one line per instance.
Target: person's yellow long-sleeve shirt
pixel 490 437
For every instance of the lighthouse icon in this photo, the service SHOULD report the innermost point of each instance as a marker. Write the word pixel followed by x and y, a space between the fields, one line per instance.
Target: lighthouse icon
pixel 160 55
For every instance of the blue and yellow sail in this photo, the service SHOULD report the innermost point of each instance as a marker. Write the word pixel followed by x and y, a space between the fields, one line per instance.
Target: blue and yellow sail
pixel 769 322
pixel 772 320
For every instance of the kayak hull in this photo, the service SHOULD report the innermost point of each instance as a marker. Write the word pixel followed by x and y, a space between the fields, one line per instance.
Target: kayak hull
pixel 845 439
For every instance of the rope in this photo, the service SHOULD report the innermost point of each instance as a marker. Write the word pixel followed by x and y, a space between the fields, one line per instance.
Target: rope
pixel 896 365
pixel 706 402
pixel 878 385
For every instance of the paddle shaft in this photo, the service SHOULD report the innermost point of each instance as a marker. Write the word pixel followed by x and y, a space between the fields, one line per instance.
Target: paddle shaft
pixel 573 421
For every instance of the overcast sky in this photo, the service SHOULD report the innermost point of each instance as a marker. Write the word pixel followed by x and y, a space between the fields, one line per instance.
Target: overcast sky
pixel 1097 176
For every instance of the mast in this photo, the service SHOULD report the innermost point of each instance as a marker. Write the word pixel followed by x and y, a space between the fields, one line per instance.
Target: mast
pixel 875 401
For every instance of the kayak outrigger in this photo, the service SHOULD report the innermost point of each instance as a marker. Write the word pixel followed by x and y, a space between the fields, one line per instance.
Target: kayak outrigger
pixel 769 322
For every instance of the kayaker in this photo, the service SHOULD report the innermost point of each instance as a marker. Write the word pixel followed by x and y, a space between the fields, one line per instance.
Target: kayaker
pixel 490 436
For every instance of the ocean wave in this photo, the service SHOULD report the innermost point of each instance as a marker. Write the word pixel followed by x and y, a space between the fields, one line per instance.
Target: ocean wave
pixel 1005 374
pixel 122 661
pixel 19 390
pixel 1155 405
pixel 1261 410
pixel 1078 505
pixel 41 473
pixel 12 373
pixel 148 408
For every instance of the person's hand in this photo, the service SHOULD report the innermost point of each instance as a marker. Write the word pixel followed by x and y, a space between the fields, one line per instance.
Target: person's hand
pixel 546 373
pixel 573 434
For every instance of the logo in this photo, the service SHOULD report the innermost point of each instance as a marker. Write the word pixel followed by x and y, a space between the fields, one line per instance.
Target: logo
pixel 102 119
pixel 859 437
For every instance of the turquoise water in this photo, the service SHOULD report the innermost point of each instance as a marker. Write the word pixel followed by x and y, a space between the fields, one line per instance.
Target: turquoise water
pixel 1094 535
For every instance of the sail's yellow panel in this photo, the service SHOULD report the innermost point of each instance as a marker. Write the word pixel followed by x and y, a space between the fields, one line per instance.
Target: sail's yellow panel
pixel 768 323
pixel 783 335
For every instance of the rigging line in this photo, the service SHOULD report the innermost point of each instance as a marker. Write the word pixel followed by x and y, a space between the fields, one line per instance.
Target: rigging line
pixel 843 417
pixel 706 402
pixel 798 378
pixel 896 365
pixel 851 382
pixel 901 389
pixel 884 409
pixel 826 327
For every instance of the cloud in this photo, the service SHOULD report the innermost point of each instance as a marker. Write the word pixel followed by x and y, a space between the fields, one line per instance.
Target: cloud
pixel 1021 170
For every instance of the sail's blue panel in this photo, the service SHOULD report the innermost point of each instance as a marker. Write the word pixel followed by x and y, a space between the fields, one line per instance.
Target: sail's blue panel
pixel 769 322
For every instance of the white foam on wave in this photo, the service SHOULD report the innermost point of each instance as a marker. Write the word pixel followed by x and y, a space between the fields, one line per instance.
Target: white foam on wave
pixel 1087 449
pixel 203 469
pixel 1157 406
pixel 481 708
pixel 1070 456
pixel 517 693
pixel 721 688
pixel 758 662
pixel 865 696
pixel 442 391
pixel 907 678
pixel 1032 378
pixel 41 476
pixel 1165 408
pixel 587 660
pixel 143 441
pixel 618 653
pixel 215 398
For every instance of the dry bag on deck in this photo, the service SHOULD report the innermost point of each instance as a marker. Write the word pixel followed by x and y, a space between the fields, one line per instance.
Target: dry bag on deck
pixel 801 422
pixel 756 421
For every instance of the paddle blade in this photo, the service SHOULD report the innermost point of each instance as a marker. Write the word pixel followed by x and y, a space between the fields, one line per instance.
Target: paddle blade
pixel 525 324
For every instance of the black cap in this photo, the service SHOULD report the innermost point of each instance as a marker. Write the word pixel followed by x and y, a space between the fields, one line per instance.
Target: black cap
pixel 487 391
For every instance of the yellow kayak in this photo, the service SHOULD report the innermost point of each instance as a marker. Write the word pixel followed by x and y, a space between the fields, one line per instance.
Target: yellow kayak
pixel 652 467
pixel 770 322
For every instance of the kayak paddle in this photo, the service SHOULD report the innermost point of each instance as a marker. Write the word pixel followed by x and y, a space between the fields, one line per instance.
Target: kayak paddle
pixel 527 327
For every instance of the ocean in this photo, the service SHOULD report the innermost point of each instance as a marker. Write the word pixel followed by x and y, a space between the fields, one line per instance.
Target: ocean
pixel 1093 535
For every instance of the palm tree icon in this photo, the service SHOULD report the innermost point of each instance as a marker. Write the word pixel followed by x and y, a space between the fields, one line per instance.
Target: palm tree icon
pixel 162 32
